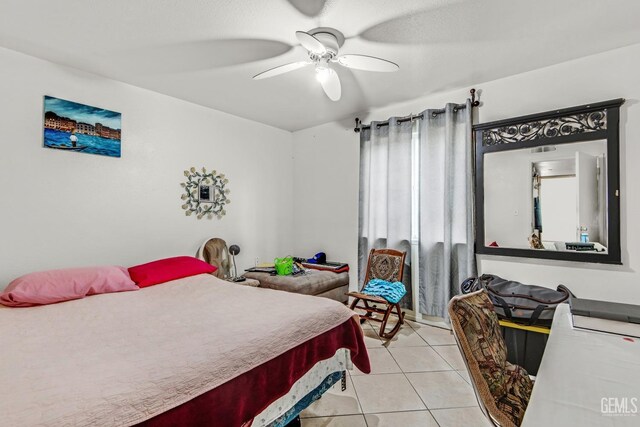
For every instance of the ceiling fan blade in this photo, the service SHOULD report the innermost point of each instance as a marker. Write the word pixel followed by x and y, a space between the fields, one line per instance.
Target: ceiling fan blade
pixel 310 43
pixel 367 63
pixel 281 69
pixel 309 8
pixel 331 85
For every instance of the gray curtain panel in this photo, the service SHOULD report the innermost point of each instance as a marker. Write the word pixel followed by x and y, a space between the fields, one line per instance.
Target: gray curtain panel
pixel 445 166
pixel 385 193
pixel 446 207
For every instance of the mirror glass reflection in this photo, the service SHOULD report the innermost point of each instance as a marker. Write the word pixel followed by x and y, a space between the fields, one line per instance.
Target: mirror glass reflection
pixel 551 197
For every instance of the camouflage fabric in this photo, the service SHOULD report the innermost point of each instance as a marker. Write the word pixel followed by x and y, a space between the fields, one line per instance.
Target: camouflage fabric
pixel 509 385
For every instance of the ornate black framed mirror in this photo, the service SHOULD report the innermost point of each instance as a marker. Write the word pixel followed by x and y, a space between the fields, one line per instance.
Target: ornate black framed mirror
pixel 547 185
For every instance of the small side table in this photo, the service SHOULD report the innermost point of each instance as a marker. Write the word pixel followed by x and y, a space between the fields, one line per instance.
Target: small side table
pixel 248 282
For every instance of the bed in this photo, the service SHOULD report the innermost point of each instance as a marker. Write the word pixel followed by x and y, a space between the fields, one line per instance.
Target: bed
pixel 193 351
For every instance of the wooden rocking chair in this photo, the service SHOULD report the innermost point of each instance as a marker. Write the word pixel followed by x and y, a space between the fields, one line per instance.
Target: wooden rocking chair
pixel 385 264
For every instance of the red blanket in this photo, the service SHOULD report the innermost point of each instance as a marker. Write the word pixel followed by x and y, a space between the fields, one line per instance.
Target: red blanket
pixel 237 402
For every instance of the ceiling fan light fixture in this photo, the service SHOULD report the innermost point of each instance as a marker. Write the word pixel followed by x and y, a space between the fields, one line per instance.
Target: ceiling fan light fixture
pixel 323 72
pixel 322 45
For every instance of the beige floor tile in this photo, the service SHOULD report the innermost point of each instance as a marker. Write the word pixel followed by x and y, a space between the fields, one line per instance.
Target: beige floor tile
pixel 370 325
pixel 451 353
pixel 401 419
pixel 366 326
pixel 386 393
pixel 468 417
pixel 419 359
pixel 406 337
pixel 414 324
pixel 465 375
pixel 340 421
pixel 436 336
pixel 393 320
pixel 335 402
pixel 376 325
pixel 373 324
pixel 443 389
pixel 381 362
pixel 371 338
pixel 417 325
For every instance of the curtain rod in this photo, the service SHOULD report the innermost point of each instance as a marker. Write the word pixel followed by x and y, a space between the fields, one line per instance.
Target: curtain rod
pixel 474 103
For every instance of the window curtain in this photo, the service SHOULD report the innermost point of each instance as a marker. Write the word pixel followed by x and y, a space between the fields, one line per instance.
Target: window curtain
pixel 446 207
pixel 385 193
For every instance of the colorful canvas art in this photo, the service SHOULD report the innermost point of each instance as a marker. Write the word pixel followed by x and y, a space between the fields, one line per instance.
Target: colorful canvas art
pixel 71 126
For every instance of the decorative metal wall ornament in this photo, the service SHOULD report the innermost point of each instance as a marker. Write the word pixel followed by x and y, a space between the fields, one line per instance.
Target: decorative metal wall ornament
pixel 205 194
pixel 578 123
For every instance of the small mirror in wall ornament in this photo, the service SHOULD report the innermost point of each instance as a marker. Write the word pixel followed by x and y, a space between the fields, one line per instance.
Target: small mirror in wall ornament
pixel 547 185
pixel 205 193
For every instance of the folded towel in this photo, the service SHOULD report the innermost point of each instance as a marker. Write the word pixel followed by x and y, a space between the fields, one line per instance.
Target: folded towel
pixel 391 291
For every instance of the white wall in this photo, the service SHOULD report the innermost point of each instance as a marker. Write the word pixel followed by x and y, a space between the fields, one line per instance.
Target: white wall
pixel 61 209
pixel 508 196
pixel 559 201
pixel 326 165
pixel 325 208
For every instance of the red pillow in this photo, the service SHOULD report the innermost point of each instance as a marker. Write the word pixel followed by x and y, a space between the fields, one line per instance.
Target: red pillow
pixel 165 270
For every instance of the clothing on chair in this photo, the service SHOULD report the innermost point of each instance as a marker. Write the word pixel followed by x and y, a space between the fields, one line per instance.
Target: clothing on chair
pixel 391 291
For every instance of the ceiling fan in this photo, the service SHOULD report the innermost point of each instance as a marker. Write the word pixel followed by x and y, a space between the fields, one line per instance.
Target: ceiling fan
pixel 323 45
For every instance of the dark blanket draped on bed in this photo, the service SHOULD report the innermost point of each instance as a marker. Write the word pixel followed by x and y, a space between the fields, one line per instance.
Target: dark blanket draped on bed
pixel 238 401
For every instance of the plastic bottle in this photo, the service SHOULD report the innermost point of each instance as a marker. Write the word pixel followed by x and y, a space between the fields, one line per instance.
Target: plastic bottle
pixel 584 235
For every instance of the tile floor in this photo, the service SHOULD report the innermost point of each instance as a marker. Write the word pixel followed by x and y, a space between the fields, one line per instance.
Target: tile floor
pixel 417 379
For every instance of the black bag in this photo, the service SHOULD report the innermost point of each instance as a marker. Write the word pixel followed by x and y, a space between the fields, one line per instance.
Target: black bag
pixel 517 302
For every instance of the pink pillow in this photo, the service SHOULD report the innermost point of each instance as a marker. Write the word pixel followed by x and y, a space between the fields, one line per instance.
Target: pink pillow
pixel 165 270
pixel 48 287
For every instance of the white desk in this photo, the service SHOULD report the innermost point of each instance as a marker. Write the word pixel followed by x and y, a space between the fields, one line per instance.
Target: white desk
pixel 579 369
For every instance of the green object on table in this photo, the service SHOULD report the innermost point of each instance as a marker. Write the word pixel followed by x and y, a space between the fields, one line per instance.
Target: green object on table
pixel 284 266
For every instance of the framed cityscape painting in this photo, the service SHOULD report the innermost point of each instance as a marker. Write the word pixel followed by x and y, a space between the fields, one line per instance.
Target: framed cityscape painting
pixel 71 126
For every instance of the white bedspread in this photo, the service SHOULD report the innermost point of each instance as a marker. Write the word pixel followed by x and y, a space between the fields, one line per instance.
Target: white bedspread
pixel 119 359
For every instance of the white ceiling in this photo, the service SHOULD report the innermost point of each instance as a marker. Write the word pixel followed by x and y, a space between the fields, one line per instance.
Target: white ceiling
pixel 206 51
